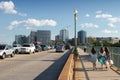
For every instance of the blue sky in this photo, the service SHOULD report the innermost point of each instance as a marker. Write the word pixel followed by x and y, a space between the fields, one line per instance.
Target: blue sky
pixel 99 18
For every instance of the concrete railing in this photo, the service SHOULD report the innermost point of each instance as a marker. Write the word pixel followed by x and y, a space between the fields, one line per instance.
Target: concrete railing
pixel 67 71
pixel 72 68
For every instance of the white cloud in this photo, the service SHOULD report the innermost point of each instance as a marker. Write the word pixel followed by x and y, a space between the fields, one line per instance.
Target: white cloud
pixel 114 19
pixel 87 15
pixel 109 31
pixel 22 14
pixel 8 7
pixel 111 25
pixel 99 11
pixel 89 25
pixel 109 18
pixel 103 16
pixel 32 22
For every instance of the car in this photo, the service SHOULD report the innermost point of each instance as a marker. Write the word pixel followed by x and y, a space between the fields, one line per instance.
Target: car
pixel 17 48
pixel 6 50
pixel 67 46
pixel 27 48
pixel 60 48
pixel 38 48
pixel 44 47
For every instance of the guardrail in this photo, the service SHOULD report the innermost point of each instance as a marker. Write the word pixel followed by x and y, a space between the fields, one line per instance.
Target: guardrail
pixel 71 69
pixel 67 71
pixel 116 60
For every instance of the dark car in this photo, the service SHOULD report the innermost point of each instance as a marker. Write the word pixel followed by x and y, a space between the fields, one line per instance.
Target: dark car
pixel 38 48
pixel 44 47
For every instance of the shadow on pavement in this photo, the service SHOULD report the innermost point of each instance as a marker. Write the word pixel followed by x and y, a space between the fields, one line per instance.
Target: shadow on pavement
pixel 84 58
pixel 52 73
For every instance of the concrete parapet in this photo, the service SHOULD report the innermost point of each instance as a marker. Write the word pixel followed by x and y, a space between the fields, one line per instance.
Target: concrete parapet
pixel 67 71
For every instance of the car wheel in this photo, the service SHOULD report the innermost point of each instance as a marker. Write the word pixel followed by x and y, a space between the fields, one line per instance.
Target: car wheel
pixel 30 52
pixel 3 56
pixel 12 55
pixel 16 51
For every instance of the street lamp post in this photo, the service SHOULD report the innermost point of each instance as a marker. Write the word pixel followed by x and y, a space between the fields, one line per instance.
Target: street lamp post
pixel 75 17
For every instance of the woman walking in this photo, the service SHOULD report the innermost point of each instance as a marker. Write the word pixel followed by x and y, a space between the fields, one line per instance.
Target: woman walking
pixel 101 58
pixel 107 57
pixel 94 58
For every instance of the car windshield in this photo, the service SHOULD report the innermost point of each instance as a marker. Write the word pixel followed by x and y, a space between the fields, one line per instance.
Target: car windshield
pixel 14 45
pixel 42 45
pixel 2 47
pixel 26 45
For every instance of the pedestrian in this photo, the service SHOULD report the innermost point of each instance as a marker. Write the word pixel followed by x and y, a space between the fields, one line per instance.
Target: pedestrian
pixel 85 48
pixel 108 57
pixel 101 58
pixel 94 58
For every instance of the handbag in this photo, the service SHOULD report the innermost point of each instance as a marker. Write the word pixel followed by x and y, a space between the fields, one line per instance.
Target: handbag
pixel 111 62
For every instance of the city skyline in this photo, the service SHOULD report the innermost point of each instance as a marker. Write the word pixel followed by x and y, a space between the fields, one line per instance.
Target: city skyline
pixel 99 18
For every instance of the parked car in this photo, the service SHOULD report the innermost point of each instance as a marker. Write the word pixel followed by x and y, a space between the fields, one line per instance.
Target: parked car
pixel 17 48
pixel 44 47
pixel 6 50
pixel 27 48
pixel 67 46
pixel 38 48
pixel 60 48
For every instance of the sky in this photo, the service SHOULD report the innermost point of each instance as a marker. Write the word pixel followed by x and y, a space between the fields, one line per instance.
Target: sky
pixel 99 18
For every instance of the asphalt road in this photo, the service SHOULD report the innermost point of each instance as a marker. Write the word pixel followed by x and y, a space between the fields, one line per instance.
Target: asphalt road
pixel 44 65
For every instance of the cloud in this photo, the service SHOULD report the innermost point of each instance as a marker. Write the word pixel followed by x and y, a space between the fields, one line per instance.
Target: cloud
pixel 111 25
pixel 22 14
pixel 32 22
pixel 8 7
pixel 89 25
pixel 87 15
pixel 109 31
pixel 114 19
pixel 99 11
pixel 104 16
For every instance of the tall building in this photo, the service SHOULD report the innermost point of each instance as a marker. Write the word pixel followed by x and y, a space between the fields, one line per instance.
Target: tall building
pixel 57 38
pixel 82 36
pixel 64 35
pixel 32 37
pixel 21 39
pixel 43 36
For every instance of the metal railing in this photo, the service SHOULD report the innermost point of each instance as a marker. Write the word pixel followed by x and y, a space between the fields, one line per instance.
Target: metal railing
pixel 114 51
pixel 115 55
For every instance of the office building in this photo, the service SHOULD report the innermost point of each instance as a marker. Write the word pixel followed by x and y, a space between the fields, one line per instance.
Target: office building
pixel 82 36
pixel 32 37
pixel 43 36
pixel 64 35
pixel 21 39
pixel 57 38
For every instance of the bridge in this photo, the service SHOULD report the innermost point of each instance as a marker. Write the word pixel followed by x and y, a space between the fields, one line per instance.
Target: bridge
pixel 49 65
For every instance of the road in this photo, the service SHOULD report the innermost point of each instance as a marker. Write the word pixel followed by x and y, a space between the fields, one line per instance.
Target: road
pixel 44 65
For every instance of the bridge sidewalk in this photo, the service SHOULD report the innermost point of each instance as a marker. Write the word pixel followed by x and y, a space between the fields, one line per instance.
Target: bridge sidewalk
pixel 97 74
